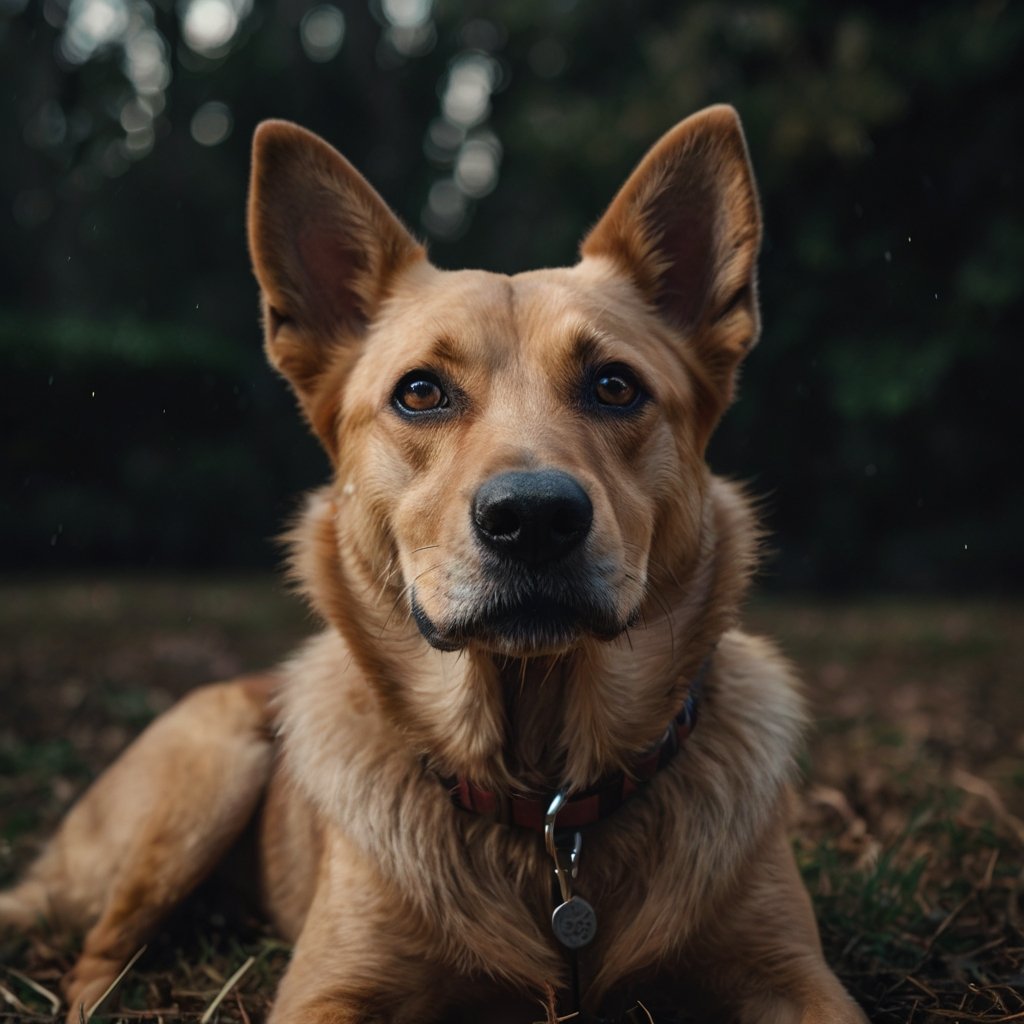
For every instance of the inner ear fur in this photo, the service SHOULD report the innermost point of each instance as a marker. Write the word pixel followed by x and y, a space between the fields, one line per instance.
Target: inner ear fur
pixel 686 228
pixel 325 250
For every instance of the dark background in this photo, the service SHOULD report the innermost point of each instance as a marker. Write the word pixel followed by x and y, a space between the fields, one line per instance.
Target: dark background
pixel 879 415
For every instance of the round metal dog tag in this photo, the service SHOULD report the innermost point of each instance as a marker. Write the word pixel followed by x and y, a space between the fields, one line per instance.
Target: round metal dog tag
pixel 574 923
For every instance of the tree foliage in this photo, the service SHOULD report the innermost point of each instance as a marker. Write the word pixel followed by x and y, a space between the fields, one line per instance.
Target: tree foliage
pixel 878 415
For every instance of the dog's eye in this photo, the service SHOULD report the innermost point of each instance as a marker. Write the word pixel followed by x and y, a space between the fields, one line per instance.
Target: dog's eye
pixel 420 392
pixel 616 385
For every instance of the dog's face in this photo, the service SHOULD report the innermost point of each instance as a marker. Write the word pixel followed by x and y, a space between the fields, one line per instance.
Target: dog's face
pixel 514 455
pixel 513 434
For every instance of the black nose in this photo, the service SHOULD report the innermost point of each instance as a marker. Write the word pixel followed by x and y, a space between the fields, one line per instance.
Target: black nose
pixel 532 516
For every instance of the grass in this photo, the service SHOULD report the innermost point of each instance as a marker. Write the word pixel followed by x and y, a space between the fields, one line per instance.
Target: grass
pixel 908 825
pixel 909 832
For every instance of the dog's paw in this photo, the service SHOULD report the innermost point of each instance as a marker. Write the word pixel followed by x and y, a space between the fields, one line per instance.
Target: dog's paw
pixel 87 983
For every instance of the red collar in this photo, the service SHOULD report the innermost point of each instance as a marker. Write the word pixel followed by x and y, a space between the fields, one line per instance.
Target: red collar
pixel 587 806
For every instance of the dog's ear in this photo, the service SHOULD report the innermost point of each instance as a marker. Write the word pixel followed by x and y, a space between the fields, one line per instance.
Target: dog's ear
pixel 325 249
pixel 686 229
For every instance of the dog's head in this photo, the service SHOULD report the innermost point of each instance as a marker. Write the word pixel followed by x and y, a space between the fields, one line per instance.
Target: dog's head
pixel 514 456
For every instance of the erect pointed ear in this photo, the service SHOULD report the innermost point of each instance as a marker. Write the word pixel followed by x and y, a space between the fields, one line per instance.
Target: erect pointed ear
pixel 686 229
pixel 325 249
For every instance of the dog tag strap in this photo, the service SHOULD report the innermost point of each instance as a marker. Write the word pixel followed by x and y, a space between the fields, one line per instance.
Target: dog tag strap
pixel 573 921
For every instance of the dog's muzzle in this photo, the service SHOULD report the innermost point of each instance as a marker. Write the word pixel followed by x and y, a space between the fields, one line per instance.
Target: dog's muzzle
pixel 538 591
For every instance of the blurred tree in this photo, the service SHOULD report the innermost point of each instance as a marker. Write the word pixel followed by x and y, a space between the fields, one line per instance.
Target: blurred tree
pixel 877 412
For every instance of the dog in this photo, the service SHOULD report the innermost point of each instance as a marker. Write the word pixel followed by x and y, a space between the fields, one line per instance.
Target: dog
pixel 531 768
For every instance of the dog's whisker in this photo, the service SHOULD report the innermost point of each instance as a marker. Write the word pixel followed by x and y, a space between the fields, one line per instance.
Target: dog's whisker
pixel 394 566
pixel 664 606
pixel 658 567
pixel 389 573
pixel 406 590
pixel 398 600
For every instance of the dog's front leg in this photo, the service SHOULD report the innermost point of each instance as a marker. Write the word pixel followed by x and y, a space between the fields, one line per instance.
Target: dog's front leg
pixel 772 966
pixel 361 957
pixel 149 830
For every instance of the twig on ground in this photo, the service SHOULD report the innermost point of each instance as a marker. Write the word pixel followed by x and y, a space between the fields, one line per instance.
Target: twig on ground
pixel 12 1000
pixel 53 1000
pixel 228 986
pixel 242 1012
pixel 110 988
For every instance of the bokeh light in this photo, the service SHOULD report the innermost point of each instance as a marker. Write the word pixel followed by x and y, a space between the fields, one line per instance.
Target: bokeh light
pixel 444 216
pixel 91 25
pixel 209 26
pixel 146 62
pixel 467 96
pixel 407 13
pixel 410 30
pixel 476 168
pixel 457 140
pixel 322 31
pixel 212 123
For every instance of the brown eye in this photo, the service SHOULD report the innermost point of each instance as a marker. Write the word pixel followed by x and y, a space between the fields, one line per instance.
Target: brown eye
pixel 420 392
pixel 616 386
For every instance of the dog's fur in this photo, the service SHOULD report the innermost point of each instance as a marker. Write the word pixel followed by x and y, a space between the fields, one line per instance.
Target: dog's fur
pixel 447 654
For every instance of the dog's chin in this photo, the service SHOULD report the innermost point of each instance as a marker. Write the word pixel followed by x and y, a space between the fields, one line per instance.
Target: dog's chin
pixel 523 630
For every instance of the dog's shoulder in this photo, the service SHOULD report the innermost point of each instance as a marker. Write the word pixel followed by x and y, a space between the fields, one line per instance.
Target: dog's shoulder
pixel 327 716
pixel 753 717
pixel 755 682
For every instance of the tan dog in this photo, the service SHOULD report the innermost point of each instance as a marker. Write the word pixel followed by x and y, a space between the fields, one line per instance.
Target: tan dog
pixel 530 583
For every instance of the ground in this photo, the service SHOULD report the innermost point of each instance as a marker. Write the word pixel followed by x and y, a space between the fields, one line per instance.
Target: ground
pixel 908 824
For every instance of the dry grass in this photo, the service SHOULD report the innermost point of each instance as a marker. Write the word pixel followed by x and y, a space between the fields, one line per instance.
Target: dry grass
pixel 909 826
pixel 909 830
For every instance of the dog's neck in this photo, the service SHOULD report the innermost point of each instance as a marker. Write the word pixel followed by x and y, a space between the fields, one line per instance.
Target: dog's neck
pixel 575 718
pixel 533 691
pixel 536 723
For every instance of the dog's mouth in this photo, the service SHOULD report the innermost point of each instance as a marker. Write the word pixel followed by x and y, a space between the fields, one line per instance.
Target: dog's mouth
pixel 532 623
